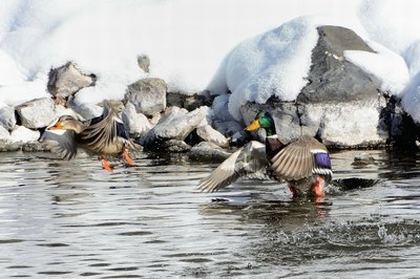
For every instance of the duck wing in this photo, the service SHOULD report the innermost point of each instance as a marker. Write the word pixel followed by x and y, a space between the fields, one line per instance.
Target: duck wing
pixel 61 142
pixel 100 132
pixel 301 159
pixel 247 160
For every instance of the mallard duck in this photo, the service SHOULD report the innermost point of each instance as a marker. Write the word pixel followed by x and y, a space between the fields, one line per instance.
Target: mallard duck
pixel 105 135
pixel 304 163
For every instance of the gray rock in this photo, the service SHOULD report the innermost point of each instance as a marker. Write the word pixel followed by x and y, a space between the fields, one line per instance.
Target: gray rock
pixel 340 104
pixel 208 152
pixel 175 146
pixel 147 95
pixel 189 102
pixel 333 78
pixel 86 110
pixel 24 135
pixel 144 63
pixel 176 123
pixel 138 123
pixel 7 118
pixel 207 133
pixel 66 80
pixel 37 113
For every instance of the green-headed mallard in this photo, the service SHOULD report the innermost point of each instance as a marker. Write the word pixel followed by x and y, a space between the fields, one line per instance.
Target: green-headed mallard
pixel 305 163
pixel 104 135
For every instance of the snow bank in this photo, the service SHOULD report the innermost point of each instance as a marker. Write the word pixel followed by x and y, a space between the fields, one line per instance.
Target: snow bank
pixel 186 41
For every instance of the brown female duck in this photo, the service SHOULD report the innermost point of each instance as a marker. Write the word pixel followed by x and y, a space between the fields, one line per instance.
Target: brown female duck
pixel 105 135
pixel 305 163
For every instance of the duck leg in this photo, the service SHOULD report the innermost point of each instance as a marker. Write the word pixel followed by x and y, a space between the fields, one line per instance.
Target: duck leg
pixel 318 187
pixel 127 158
pixel 106 165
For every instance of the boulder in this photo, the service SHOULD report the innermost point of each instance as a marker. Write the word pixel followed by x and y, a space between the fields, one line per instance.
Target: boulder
pixel 147 95
pixel 208 152
pixel 175 146
pixel 37 113
pixel 176 123
pixel 144 63
pixel 189 102
pixel 138 123
pixel 207 133
pixel 7 117
pixel 340 104
pixel 66 80
pixel 23 135
pixel 86 110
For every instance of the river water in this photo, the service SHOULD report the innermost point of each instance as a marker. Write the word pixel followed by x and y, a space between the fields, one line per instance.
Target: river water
pixel 71 219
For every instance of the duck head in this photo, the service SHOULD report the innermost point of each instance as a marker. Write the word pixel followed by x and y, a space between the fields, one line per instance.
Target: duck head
pixel 262 120
pixel 67 122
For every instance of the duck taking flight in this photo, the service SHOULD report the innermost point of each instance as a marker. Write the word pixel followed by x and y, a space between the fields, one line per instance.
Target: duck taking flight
pixel 105 135
pixel 304 163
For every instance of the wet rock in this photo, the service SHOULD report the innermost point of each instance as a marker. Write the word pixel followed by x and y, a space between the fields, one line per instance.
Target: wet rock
pixel 336 102
pixel 37 113
pixel 144 63
pixel 363 159
pixel 189 102
pixel 176 123
pixel 7 145
pixel 402 129
pixel 147 95
pixel 7 118
pixel 66 80
pixel 208 152
pixel 138 123
pixel 24 135
pixel 207 133
pixel 175 146
pixel 34 146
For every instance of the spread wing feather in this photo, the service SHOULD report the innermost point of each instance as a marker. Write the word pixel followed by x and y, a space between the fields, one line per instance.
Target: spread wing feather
pixel 247 160
pixel 63 143
pixel 296 161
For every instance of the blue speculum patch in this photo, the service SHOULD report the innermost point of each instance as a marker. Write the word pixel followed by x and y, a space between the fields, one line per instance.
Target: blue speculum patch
pixel 323 160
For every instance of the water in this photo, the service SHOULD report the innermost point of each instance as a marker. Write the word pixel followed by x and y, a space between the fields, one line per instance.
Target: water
pixel 71 219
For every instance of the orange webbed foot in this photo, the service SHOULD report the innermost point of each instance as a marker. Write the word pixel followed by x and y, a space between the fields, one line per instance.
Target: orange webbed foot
pixel 106 165
pixel 127 158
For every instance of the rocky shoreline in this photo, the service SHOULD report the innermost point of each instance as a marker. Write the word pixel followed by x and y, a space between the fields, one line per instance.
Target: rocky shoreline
pixel 199 125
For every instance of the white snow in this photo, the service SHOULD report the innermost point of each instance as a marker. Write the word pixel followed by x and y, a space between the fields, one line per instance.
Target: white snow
pixel 389 67
pixel 187 42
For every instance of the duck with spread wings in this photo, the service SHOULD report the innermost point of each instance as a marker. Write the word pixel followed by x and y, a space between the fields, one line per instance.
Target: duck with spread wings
pixel 304 163
pixel 105 135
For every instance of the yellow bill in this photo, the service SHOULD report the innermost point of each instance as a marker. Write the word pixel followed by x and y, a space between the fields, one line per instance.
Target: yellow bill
pixel 254 125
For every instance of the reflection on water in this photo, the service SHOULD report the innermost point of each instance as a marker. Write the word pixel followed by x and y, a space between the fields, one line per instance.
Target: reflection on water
pixel 72 219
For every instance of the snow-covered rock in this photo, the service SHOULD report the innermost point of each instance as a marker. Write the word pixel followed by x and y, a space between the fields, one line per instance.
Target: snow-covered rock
pixel 147 95
pixel 138 123
pixel 7 117
pixel 37 113
pixel 337 100
pixel 23 135
pixel 66 80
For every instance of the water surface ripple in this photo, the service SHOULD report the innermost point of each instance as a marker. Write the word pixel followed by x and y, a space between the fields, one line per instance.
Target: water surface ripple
pixel 71 219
